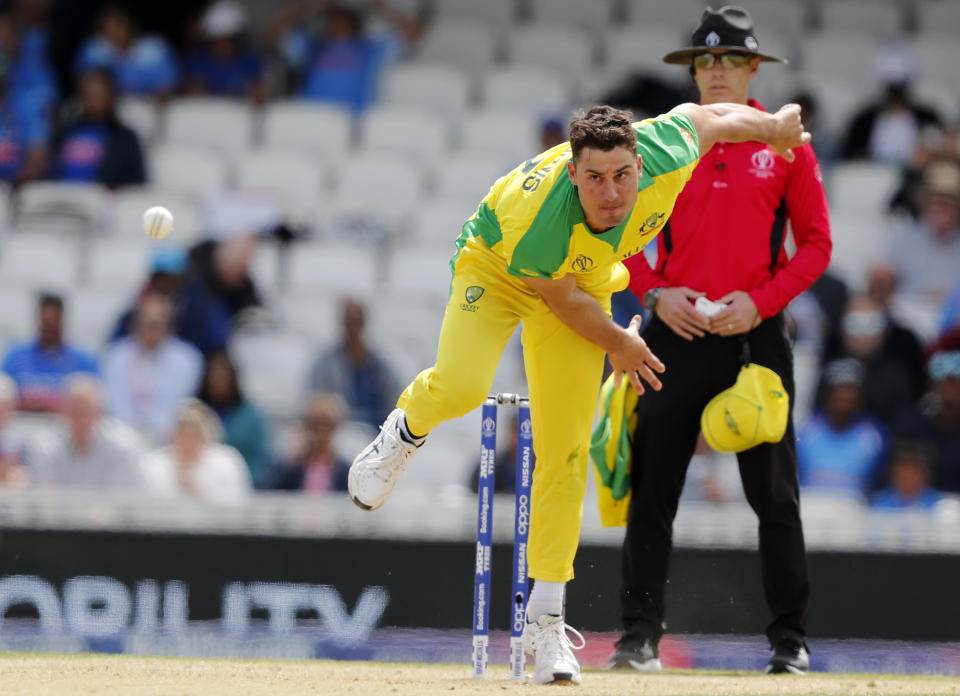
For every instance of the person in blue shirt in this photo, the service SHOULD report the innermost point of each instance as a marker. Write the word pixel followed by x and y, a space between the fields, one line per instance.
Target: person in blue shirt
pixel 24 108
pixel 353 370
pixel 142 65
pixel 343 64
pixel 841 447
pixel 93 144
pixel 225 65
pixel 40 367
pixel 909 474
pixel 31 77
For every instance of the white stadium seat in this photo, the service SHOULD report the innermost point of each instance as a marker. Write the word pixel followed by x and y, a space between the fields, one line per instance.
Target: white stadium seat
pixel 683 15
pixel 332 267
pixel 594 15
pixel 187 169
pixel 273 367
pixel 844 55
pixel 934 57
pixel 68 206
pixel 421 269
pixel 319 129
pixel 467 179
pixel 525 89
pixel 506 133
pixel 639 49
pixel 222 124
pixel 18 312
pixel 938 17
pixel 496 14
pixel 440 88
pixel 865 187
pixel 40 261
pixel 440 222
pixel 140 115
pixel 91 315
pixel 120 267
pixel 561 49
pixel 465 44
pixel 405 131
pixel 295 180
pixel 869 17
pixel 785 16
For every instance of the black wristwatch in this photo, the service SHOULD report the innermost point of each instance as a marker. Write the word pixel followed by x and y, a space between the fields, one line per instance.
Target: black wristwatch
pixel 650 298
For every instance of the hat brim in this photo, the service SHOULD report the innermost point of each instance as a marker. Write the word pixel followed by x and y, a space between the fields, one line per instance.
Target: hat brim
pixel 684 56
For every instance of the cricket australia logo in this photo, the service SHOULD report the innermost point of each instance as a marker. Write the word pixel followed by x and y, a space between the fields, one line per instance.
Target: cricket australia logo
pixel 473 293
pixel 583 264
pixel 731 423
pixel 763 161
pixel 652 222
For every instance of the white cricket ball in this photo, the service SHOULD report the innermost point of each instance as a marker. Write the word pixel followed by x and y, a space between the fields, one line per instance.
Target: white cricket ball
pixel 158 222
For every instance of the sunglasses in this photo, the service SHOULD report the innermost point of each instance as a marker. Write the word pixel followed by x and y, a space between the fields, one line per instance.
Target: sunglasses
pixel 730 61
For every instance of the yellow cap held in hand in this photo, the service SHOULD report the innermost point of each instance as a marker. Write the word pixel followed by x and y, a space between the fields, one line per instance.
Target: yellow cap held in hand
pixel 752 411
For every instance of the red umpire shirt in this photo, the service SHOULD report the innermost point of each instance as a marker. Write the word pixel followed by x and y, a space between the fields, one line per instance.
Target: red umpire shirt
pixel 727 229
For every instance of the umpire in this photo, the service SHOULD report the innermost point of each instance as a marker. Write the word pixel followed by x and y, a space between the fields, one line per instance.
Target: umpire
pixel 724 241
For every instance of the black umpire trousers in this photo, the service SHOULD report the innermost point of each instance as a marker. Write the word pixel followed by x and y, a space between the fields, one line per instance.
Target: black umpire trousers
pixel 664 442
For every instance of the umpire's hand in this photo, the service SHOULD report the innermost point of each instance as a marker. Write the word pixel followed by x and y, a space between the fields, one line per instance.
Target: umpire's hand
pixel 675 309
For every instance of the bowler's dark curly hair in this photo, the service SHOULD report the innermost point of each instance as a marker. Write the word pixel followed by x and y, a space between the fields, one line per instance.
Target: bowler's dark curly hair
pixel 602 128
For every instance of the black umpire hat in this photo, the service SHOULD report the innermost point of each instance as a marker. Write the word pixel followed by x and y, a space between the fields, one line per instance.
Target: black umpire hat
pixel 730 28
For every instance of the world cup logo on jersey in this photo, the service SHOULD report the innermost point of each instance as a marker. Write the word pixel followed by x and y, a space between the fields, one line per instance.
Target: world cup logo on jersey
pixel 763 161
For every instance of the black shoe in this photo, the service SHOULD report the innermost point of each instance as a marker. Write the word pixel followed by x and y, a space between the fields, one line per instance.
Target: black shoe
pixel 789 656
pixel 641 655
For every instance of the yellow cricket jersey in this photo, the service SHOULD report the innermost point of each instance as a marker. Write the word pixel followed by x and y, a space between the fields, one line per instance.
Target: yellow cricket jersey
pixel 533 217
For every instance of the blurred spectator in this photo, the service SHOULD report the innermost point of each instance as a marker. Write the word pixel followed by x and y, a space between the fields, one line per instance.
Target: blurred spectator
pixel 889 128
pixel 909 473
pixel 24 124
pixel 93 144
pixel 647 95
pixel 342 63
pixel 92 451
pixel 31 78
pixel 244 427
pixel 11 457
pixel 926 253
pixel 217 291
pixel 40 367
pixel 935 421
pixel 841 447
pixel 817 312
pixel 892 380
pixel 950 311
pixel 141 65
pixel 315 467
pixel 356 372
pixel 505 473
pixel 195 464
pixel 553 131
pixel 149 373
pixel 225 65
pixel 31 19
pixel 823 143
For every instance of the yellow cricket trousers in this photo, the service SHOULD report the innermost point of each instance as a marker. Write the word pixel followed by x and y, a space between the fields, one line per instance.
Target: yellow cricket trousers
pixel 563 373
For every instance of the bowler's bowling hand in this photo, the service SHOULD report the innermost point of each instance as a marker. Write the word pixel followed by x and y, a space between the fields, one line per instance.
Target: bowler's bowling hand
pixel 635 360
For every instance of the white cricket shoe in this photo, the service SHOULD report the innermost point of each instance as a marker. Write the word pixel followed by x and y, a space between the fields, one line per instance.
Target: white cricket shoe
pixel 376 469
pixel 546 640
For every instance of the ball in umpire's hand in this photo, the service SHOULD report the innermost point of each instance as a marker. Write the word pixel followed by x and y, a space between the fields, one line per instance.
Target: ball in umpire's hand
pixel 158 222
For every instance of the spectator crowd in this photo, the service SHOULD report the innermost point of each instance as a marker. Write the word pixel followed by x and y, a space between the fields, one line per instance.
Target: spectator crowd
pixel 161 408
